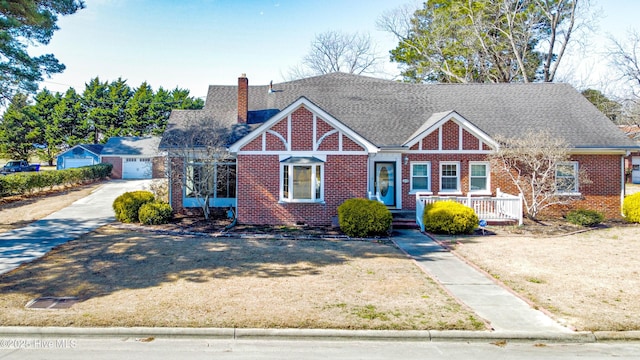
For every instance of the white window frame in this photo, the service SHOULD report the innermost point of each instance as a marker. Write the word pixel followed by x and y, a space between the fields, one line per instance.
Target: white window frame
pixel 487 166
pixel 457 190
pixel 576 170
pixel 287 196
pixel 413 190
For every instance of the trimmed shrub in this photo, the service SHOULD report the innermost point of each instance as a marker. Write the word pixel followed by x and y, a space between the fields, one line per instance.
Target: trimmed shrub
pixel 631 208
pixel 449 217
pixel 30 182
pixel 127 205
pixel 363 217
pixel 584 217
pixel 155 213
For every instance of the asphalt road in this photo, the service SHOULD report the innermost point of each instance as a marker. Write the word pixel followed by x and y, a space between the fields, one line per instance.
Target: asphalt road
pixel 144 349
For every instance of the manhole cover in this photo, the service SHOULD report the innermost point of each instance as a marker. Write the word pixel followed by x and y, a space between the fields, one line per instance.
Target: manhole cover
pixel 52 303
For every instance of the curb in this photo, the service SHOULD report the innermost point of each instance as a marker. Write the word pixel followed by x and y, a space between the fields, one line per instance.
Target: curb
pixel 320 334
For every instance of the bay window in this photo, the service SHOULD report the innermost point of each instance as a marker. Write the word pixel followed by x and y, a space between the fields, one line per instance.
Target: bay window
pixel 302 179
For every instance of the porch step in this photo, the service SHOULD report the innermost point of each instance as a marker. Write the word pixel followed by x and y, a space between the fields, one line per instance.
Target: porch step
pixel 403 219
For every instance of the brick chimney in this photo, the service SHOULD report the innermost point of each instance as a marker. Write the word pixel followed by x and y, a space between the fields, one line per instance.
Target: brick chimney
pixel 243 98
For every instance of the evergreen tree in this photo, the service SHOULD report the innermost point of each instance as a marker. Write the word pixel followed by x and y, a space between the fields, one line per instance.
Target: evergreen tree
pixel 70 127
pixel 182 100
pixel 20 129
pixel 140 117
pixel 460 41
pixel 24 22
pixel 44 106
pixel 115 115
pixel 162 104
pixel 95 110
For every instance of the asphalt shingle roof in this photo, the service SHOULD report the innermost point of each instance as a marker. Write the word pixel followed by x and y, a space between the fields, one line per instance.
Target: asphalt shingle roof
pixel 131 145
pixel 94 148
pixel 387 113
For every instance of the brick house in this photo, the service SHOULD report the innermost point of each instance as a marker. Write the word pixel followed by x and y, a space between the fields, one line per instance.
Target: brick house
pixel 632 162
pixel 316 142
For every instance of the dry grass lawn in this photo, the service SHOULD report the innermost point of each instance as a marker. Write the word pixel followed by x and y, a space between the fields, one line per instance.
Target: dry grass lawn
pixel 140 279
pixel 18 211
pixel 589 280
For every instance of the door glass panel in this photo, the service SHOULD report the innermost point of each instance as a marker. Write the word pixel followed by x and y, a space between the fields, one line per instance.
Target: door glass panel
pixel 385 183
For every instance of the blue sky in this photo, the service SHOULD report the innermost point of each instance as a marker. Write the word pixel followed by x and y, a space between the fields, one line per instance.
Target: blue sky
pixel 194 43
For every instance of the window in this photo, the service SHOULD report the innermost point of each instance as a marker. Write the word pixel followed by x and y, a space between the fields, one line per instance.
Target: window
pixel 449 177
pixel 421 176
pixel 478 177
pixel 226 180
pixel 567 177
pixel 204 178
pixel 302 179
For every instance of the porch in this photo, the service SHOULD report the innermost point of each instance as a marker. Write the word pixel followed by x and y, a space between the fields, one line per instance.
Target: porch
pixel 503 208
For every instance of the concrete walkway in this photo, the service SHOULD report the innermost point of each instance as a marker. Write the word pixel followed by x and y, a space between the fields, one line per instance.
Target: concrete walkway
pixel 87 214
pixel 501 308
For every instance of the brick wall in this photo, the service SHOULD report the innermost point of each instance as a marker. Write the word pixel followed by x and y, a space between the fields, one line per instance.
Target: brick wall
pixel 450 135
pixel 176 169
pixel 116 173
pixel 408 200
pixel 158 167
pixel 301 130
pixel 602 194
pixel 430 142
pixel 345 177
pixel 243 98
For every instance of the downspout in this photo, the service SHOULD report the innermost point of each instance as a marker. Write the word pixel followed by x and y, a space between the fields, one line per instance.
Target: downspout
pixel 233 223
pixel 622 182
pixel 231 209
pixel 168 171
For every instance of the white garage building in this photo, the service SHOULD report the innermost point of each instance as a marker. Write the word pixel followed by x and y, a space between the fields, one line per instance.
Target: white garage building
pixel 134 157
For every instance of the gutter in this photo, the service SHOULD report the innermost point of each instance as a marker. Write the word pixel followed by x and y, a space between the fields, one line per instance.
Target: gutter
pixel 622 187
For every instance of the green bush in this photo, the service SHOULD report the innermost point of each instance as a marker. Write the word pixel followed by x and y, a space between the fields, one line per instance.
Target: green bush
pixel 155 213
pixel 631 208
pixel 449 217
pixel 29 182
pixel 584 217
pixel 127 205
pixel 362 217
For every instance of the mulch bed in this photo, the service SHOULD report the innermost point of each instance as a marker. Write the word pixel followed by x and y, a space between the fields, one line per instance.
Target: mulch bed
pixel 218 225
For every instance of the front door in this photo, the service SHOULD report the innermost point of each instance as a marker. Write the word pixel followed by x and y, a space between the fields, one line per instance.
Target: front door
pixel 385 182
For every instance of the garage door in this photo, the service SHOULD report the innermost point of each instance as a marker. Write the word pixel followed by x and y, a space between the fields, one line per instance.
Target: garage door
pixel 136 168
pixel 78 162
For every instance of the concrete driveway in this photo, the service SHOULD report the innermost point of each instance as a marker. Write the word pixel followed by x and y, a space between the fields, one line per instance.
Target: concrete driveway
pixel 87 214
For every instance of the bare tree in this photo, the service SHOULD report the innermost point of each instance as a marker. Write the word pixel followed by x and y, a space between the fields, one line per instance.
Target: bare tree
pixel 199 161
pixel 624 57
pixel 335 51
pixel 537 164
pixel 484 41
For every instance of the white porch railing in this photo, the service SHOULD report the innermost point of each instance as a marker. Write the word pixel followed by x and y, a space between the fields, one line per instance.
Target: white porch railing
pixel 500 208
